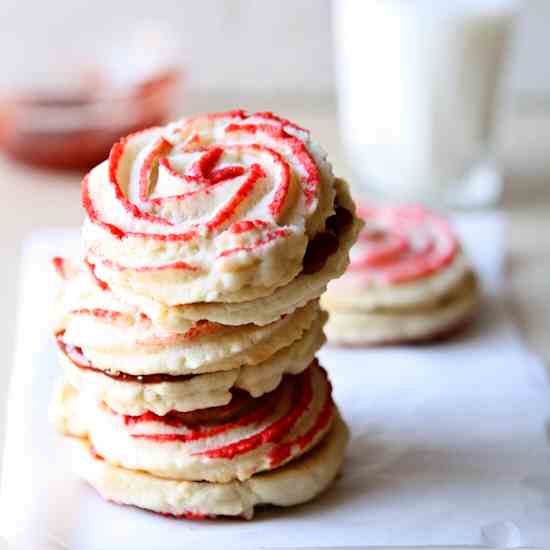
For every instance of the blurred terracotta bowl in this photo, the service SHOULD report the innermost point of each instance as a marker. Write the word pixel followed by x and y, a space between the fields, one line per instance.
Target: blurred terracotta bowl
pixel 76 131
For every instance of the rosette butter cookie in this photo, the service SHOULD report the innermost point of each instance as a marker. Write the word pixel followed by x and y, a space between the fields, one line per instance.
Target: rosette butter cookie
pixel 216 208
pixel 295 483
pixel 284 449
pixel 218 444
pixel 187 333
pixel 408 281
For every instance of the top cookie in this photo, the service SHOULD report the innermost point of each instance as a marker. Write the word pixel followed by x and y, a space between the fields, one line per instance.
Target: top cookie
pixel 214 208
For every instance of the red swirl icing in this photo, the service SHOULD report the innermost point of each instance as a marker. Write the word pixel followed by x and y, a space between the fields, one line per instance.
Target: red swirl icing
pixel 101 284
pixel 402 244
pixel 68 270
pixel 241 402
pixel 59 265
pixel 203 175
pixel 248 412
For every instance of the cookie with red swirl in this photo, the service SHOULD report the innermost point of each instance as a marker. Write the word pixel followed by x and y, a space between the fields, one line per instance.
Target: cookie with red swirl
pixel 294 483
pixel 215 208
pixel 408 281
pixel 221 444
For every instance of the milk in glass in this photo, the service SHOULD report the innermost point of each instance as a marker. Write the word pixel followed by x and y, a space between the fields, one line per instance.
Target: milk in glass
pixel 418 84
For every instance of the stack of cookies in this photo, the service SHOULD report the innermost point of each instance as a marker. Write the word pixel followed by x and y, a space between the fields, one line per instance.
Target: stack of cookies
pixel 409 281
pixel 187 333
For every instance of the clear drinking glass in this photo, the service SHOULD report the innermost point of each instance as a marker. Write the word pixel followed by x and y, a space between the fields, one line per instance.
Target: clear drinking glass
pixel 418 87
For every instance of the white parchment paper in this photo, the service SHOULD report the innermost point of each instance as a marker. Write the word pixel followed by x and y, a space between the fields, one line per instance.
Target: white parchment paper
pixel 449 442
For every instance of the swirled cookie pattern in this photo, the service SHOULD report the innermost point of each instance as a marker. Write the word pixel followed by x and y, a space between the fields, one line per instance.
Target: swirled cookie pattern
pixel 211 208
pixel 400 245
pixel 221 444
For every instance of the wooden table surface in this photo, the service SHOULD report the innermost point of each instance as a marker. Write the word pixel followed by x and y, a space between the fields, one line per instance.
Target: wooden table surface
pixel 36 199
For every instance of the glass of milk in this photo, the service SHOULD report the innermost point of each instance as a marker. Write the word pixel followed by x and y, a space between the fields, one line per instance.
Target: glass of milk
pixel 418 84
